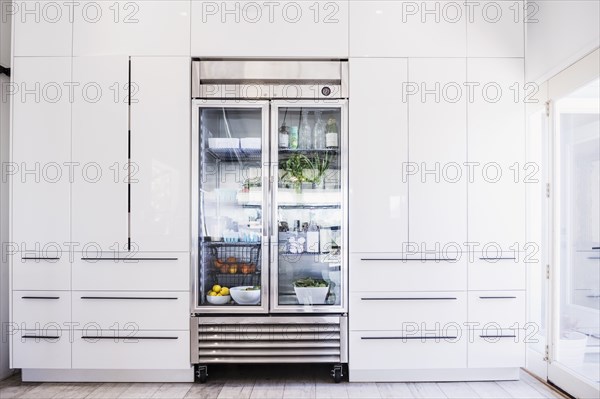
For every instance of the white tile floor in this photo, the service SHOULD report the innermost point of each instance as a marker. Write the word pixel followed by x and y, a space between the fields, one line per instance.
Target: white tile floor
pixel 263 382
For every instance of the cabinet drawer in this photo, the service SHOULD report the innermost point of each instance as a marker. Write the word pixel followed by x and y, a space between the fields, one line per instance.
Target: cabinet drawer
pixel 388 350
pixel 31 272
pixel 497 348
pixel 45 349
pixel 137 272
pixel 144 310
pixel 507 272
pixel 131 349
pixel 397 273
pixel 505 309
pixel 406 310
pixel 41 309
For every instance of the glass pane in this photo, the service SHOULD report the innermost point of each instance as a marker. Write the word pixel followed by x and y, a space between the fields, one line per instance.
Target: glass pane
pixel 578 139
pixel 309 206
pixel 230 201
pixel 537 229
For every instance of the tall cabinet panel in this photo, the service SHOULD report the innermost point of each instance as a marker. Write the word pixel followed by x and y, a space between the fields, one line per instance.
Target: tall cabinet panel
pixel 160 154
pixel 496 149
pixel 378 141
pixel 100 135
pixel 437 153
pixel 41 143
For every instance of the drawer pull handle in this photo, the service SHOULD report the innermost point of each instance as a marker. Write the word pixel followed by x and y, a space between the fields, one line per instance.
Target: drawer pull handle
pixel 128 338
pixel 40 297
pixel 118 259
pixel 595 248
pixel 500 258
pixel 390 338
pixel 497 297
pixel 497 336
pixel 130 298
pixel 39 258
pixel 408 299
pixel 411 259
pixel 593 257
pixel 40 337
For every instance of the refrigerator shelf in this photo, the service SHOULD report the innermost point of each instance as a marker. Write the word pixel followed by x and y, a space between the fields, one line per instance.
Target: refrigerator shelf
pixel 236 154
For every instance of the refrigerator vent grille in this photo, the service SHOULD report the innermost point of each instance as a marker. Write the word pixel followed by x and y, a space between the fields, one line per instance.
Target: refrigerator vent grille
pixel 278 342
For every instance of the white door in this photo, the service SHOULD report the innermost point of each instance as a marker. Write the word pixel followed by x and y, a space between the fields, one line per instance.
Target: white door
pixel 378 147
pixel 100 141
pixel 437 152
pixel 41 150
pixel 160 154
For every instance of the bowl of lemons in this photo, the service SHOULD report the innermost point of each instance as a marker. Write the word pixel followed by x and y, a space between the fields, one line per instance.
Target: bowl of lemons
pixel 218 295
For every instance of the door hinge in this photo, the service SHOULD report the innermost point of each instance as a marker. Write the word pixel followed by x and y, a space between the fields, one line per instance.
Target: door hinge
pixel 547 190
pixel 547 107
pixel 548 272
pixel 547 353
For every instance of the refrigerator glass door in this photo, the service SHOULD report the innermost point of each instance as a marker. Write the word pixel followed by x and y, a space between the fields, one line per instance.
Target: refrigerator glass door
pixel 230 148
pixel 308 270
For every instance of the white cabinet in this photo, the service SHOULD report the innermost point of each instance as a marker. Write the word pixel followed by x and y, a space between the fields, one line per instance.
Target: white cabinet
pixel 160 154
pixel 100 143
pixel 378 149
pixel 407 29
pixel 496 28
pixel 270 29
pixel 144 27
pixel 497 348
pixel 41 28
pixel 437 130
pixel 496 151
pixel 41 349
pixel 5 37
pixel 41 143
pixel 41 309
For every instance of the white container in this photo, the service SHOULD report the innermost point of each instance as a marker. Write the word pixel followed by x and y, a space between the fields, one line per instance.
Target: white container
pixel 571 348
pixel 221 143
pixel 218 300
pixel 243 297
pixel 251 143
pixel 311 295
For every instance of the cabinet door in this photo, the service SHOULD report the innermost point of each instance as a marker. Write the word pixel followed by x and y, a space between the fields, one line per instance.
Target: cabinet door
pixel 496 28
pixel 5 37
pixel 378 149
pixel 100 139
pixel 41 28
pixel 122 27
pixel 41 143
pixel 496 147
pixel 407 28
pixel 160 154
pixel 437 152
pixel 270 29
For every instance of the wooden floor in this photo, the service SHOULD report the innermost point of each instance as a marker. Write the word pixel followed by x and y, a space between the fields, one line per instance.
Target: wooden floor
pixel 264 382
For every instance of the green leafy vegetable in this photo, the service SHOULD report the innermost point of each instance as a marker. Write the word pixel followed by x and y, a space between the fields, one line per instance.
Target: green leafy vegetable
pixel 310 282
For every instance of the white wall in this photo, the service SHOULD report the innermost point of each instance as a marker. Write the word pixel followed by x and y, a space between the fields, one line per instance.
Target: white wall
pixel 559 33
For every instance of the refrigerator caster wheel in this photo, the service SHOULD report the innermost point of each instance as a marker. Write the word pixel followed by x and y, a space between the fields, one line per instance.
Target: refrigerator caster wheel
pixel 202 374
pixel 337 374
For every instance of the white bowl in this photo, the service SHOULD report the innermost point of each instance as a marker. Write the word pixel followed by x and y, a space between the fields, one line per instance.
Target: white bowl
pixel 311 295
pixel 243 297
pixel 218 300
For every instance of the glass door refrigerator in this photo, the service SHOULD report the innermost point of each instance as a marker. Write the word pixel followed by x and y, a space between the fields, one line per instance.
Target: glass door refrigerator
pixel 269 198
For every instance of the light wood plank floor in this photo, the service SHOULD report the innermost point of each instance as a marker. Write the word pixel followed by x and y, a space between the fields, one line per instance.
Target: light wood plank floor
pixel 264 382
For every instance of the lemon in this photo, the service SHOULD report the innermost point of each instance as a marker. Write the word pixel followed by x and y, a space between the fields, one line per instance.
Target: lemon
pixel 216 288
pixel 219 294
pixel 212 293
pixel 224 291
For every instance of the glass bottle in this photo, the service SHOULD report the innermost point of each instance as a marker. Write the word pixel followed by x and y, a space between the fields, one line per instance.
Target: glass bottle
pixel 319 132
pixel 293 137
pixel 305 133
pixel 312 236
pixel 284 136
pixel 331 134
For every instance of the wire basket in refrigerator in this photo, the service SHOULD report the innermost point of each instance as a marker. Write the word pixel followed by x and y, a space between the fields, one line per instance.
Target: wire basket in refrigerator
pixel 232 264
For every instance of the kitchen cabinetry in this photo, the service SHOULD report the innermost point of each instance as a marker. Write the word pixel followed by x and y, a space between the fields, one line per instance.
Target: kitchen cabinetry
pixel 270 29
pixel 378 149
pixel 5 37
pixel 160 180
pixel 407 29
pixel 437 153
pixel 41 143
pixel 41 28
pixel 140 28
pixel 497 28
pixel 496 149
pixel 100 148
